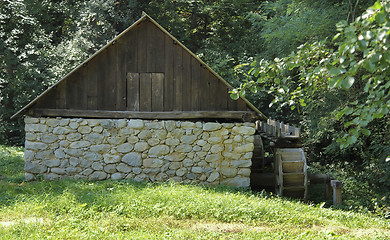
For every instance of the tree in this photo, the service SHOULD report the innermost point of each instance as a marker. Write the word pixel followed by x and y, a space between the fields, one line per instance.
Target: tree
pixel 358 71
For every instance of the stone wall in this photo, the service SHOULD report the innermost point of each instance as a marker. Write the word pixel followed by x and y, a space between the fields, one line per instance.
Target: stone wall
pixel 97 149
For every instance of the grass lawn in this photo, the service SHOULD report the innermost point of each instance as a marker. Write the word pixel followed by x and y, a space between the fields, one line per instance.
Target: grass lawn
pixel 130 210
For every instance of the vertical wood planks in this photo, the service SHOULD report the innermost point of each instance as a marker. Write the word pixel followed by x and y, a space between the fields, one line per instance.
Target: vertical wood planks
pixel 61 95
pixel 151 49
pixel 131 49
pixel 221 94
pixel 241 105
pixel 92 84
pixel 204 89
pixel 195 89
pixel 71 91
pixel 133 99
pixel 101 80
pixel 111 78
pixel 213 92
pixel 168 78
pixel 81 83
pixel 157 92
pixel 178 77
pixel 145 101
pixel 142 41
pixel 187 81
pixel 121 75
pixel 159 49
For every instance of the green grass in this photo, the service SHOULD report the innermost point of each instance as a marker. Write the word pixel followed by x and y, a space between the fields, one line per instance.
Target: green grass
pixel 130 210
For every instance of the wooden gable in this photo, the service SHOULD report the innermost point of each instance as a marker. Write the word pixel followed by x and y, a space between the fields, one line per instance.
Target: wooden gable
pixel 143 73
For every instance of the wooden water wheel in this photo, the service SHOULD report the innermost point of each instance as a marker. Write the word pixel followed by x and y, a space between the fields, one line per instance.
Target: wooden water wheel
pixel 288 161
pixel 291 172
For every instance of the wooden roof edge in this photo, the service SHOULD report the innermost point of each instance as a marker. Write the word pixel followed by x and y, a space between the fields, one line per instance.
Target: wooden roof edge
pixel 21 111
pixel 143 17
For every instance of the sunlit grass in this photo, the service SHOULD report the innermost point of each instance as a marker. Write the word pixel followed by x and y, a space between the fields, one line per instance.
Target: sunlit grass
pixel 130 210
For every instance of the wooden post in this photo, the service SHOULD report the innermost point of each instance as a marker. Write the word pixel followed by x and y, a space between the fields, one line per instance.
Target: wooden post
pixel 336 185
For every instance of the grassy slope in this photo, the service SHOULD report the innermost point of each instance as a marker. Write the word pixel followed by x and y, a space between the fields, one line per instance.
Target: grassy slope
pixel 129 210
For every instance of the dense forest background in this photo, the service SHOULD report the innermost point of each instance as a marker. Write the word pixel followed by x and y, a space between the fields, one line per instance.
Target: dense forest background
pixel 275 52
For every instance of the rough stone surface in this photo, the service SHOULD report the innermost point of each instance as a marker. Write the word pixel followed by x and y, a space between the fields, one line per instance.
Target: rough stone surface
pixel 97 149
pixel 153 163
pixel 211 126
pixel 213 176
pixel 34 168
pixel 123 168
pixel 141 146
pixel 125 148
pixel 98 175
pixel 159 150
pixel 132 159
pixel 136 123
pixel 117 176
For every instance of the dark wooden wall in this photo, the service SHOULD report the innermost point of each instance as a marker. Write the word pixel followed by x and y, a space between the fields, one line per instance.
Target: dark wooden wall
pixel 144 70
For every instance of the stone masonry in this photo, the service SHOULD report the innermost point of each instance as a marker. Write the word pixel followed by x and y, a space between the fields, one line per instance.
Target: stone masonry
pixel 143 150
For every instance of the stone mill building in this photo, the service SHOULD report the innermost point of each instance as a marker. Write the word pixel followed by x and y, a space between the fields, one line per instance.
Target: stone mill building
pixel 144 107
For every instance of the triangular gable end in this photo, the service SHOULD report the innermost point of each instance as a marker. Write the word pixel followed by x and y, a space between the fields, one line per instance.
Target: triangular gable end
pixel 144 72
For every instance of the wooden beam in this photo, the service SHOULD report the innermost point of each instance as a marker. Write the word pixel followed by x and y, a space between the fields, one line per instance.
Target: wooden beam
pixel 336 185
pixel 242 115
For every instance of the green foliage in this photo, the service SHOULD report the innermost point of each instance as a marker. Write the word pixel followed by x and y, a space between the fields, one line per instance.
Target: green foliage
pixel 286 24
pixel 358 71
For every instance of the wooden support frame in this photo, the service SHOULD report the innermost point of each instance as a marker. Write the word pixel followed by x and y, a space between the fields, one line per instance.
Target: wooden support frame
pixel 239 115
pixel 336 185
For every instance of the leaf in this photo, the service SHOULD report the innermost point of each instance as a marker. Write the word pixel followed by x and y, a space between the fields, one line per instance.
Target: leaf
pixel 336 71
pixel 369 66
pixel 253 89
pixel 336 36
pixel 348 110
pixel 377 5
pixel 366 132
pixel 234 96
pixel 333 82
pixel 380 17
pixel 351 140
pixel 347 82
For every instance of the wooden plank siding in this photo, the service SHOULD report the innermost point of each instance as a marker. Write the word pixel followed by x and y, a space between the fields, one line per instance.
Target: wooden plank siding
pixel 144 70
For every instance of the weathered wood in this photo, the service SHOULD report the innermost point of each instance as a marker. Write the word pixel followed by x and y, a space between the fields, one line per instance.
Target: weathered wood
pixel 205 89
pixel 319 178
pixel 221 101
pixel 213 90
pixel 157 92
pixel 336 185
pixel 101 73
pixel 145 97
pixel 131 50
pixel 178 77
pixel 132 94
pixel 142 47
pixel 195 89
pixel 144 114
pixel 92 84
pixel 263 180
pixel 121 75
pixel 71 91
pixel 187 81
pixel 151 49
pixel 61 95
pixel 159 47
pixel 111 78
pixel 168 77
